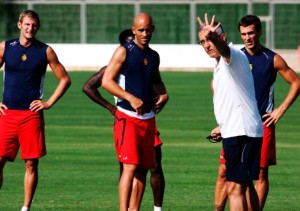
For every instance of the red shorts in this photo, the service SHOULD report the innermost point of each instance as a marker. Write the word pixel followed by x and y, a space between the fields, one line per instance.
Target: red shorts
pixel 134 140
pixel 157 140
pixel 24 130
pixel 268 149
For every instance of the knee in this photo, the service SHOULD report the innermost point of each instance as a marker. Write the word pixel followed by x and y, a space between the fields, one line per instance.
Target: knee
pixel 142 172
pixel 263 174
pixel 222 173
pixel 141 175
pixel 156 171
pixel 31 165
pixel 234 188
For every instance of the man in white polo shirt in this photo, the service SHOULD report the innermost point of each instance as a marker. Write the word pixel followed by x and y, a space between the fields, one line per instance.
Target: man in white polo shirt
pixel 236 113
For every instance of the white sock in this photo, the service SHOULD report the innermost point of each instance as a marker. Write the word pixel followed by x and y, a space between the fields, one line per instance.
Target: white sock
pixel 157 208
pixel 25 209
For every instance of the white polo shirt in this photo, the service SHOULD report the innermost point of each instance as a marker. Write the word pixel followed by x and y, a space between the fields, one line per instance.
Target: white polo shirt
pixel 234 99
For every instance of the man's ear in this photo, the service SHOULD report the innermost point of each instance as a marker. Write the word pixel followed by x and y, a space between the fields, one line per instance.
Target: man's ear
pixel 223 37
pixel 19 24
pixel 133 30
pixel 153 28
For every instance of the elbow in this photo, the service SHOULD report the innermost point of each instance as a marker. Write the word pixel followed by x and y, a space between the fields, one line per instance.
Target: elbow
pixel 296 85
pixel 104 83
pixel 225 53
pixel 68 83
pixel 85 88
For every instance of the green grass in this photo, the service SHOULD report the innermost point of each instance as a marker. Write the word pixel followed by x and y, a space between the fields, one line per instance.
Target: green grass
pixel 81 172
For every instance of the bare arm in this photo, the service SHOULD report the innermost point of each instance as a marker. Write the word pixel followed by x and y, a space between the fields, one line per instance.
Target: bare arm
pixel 161 96
pixel 290 76
pixel 90 88
pixel 63 78
pixel 160 93
pixel 215 133
pixel 2 47
pixel 109 83
pixel 212 86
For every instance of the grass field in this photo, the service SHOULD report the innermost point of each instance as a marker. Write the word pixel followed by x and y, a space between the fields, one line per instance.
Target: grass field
pixel 81 172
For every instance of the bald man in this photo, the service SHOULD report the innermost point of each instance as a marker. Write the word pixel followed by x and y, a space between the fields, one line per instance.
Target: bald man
pixel 133 77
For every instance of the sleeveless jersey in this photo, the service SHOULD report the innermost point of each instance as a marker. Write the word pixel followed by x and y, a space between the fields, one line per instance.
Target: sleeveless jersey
pixel 136 75
pixel 24 73
pixel 264 74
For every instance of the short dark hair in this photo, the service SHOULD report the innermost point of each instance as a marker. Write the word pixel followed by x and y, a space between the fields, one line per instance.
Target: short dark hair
pixel 250 20
pixel 125 35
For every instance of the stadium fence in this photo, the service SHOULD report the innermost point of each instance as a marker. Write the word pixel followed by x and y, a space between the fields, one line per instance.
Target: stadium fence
pixel 91 21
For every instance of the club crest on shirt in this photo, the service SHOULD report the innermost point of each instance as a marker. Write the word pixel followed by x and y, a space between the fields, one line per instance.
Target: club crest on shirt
pixel 24 57
pixel 145 61
pixel 251 67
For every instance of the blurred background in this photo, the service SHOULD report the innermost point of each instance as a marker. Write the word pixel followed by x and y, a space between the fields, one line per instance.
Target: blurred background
pixel 100 21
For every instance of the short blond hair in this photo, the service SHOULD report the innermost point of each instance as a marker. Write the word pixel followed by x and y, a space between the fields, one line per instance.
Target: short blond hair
pixel 29 13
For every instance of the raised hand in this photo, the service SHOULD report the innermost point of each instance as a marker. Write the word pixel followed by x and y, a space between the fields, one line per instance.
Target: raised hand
pixel 209 27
